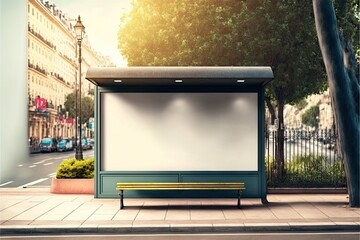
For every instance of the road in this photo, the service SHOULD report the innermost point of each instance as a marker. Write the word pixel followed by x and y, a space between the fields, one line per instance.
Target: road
pixel 38 169
pixel 224 236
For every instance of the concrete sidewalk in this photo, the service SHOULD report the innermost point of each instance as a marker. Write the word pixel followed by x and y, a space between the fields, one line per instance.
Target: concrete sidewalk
pixel 36 210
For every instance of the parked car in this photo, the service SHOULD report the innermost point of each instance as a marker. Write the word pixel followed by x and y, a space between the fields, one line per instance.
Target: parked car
pixel 48 145
pixel 84 144
pixel 89 144
pixel 65 145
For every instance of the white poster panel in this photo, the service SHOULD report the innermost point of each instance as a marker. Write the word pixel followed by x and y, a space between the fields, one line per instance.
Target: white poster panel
pixel 179 131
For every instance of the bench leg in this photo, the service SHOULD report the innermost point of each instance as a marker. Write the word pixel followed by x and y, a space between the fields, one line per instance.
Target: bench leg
pixel 121 199
pixel 239 199
pixel 264 200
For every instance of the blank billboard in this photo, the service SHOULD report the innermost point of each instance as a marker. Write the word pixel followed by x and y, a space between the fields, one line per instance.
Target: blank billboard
pixel 179 131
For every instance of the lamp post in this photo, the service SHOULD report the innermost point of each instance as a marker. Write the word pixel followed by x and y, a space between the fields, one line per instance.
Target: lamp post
pixel 79 31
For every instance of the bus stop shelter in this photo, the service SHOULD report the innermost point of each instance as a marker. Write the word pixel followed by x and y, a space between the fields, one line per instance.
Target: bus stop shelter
pixel 179 124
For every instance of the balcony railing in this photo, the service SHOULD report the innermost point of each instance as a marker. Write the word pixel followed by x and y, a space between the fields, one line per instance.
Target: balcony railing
pixel 57 76
pixel 39 36
pixel 37 68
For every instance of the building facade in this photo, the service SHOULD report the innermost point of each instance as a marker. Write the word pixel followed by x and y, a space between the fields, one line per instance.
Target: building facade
pixel 53 69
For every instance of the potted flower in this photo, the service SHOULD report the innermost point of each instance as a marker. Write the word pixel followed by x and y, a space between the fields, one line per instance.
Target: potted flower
pixel 74 176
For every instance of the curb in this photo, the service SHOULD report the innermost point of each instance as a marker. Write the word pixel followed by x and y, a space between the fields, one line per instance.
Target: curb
pixel 181 228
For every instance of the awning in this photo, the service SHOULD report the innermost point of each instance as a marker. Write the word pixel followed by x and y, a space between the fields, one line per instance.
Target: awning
pixel 169 76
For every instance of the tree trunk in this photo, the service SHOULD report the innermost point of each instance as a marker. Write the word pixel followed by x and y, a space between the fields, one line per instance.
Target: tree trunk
pixel 344 91
pixel 279 151
pixel 271 110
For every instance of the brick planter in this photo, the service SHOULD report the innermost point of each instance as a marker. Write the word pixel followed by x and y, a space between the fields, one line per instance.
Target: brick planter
pixel 74 186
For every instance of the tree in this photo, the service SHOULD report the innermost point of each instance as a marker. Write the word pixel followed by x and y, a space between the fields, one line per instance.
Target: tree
pixel 310 117
pixel 231 33
pixel 87 107
pixel 341 68
pixel 291 48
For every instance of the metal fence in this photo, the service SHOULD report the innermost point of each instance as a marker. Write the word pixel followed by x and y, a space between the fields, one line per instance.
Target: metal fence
pixel 311 159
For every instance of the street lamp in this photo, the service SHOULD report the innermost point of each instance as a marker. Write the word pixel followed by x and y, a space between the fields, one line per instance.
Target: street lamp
pixel 79 31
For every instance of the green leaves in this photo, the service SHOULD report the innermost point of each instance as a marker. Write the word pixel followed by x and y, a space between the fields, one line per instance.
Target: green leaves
pixel 280 34
pixel 276 33
pixel 87 107
pixel 310 117
pixel 72 168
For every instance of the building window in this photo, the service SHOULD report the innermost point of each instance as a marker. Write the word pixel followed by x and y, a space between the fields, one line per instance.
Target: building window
pixel 32 10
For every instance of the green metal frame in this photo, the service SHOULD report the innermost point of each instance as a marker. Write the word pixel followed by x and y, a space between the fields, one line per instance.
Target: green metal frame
pixel 255 181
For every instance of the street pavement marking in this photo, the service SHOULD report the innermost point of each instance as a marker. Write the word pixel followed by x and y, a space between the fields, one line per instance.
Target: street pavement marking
pixel 32 166
pixel 6 183
pixel 48 163
pixel 52 174
pixel 33 183
pixel 20 165
pixel 39 162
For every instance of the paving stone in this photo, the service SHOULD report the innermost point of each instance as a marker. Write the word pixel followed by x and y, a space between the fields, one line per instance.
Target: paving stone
pixel 36 211
pixel 150 214
pixel 178 214
pixel 308 211
pixel 209 214
pixel 126 214
pixel 60 211
pixel 83 212
pixel 16 209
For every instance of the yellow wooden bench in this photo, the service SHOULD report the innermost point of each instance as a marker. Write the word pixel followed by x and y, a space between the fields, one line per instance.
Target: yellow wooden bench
pixel 179 186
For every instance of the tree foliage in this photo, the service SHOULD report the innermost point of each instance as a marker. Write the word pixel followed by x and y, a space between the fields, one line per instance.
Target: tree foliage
pixel 276 33
pixel 230 33
pixel 301 104
pixel 87 107
pixel 310 117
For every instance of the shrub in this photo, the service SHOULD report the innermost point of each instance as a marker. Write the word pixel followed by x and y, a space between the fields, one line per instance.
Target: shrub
pixel 72 168
pixel 307 171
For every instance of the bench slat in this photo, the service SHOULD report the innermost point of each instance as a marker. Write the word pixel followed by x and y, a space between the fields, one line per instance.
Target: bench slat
pixel 178 186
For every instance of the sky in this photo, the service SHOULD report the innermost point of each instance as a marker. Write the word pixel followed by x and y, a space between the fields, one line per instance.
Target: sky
pixel 101 19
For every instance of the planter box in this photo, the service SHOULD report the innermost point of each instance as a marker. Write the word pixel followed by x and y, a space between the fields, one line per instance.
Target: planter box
pixel 75 186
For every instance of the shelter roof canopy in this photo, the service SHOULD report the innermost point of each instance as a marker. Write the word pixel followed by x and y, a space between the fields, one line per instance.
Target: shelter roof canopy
pixel 188 76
